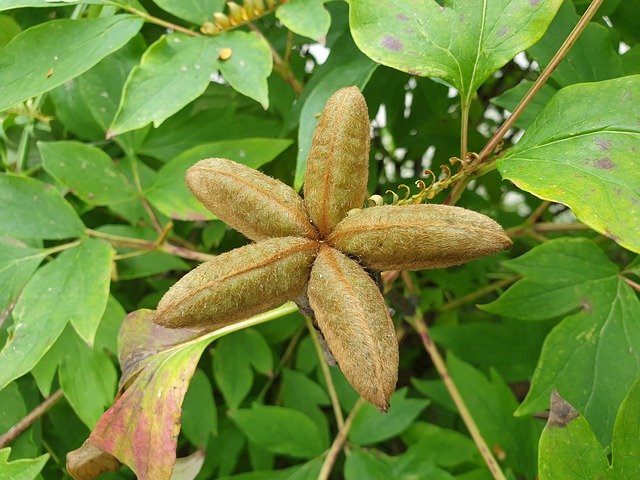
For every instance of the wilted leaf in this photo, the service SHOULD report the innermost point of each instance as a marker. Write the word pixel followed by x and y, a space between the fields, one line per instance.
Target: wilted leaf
pixel 584 154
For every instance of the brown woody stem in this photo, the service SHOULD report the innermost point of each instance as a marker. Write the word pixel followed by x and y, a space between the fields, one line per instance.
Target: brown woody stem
pixel 155 20
pixel 29 419
pixel 632 284
pixel 441 367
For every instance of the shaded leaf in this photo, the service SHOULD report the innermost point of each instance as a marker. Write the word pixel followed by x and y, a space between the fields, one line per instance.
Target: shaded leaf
pixel 9 28
pixel 362 464
pixel 584 155
pixel 591 357
pixel 461 42
pixel 370 426
pixel 280 430
pixel 17 264
pixel 88 171
pixel 72 288
pixel 195 11
pixel 169 192
pixel 308 18
pixel 33 209
pixel 199 415
pixel 59 51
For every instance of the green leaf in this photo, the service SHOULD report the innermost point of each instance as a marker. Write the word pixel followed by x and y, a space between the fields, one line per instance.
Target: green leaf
pixel 362 464
pixel 308 18
pixel 73 287
pixel 173 71
pixel 17 264
pixel 626 431
pixel 169 192
pixel 11 4
pixel 491 404
pixel 233 372
pixel 88 380
pixel 12 411
pixel 23 469
pixel 371 426
pixel 199 412
pixel 462 42
pixel 593 57
pixel 195 11
pixel 88 172
pixel 58 50
pixel 581 154
pixel 9 28
pixel 280 430
pixel 593 355
pixel 32 209
pixel 568 447
pixel 348 67
pixel 249 65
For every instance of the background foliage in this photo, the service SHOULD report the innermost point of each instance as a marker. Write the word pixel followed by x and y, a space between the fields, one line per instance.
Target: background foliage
pixel 105 104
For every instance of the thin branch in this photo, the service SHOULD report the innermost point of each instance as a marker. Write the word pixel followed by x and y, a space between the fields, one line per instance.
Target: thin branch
pixel 632 284
pixel 541 80
pixel 335 403
pixel 141 196
pixel 338 442
pixel 283 361
pixel 155 20
pixel 30 419
pixel 543 227
pixel 481 292
pixel 441 367
pixel 280 66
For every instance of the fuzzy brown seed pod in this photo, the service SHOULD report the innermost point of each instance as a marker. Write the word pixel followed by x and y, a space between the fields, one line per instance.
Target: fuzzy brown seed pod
pixel 253 203
pixel 416 237
pixel 338 163
pixel 354 319
pixel 238 284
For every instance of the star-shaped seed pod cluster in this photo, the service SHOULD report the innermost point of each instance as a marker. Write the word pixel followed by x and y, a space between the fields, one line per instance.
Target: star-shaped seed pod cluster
pixel 321 245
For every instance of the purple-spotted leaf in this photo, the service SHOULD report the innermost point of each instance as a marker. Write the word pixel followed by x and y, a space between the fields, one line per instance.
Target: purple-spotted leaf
pixel 585 154
pixel 141 428
pixel 463 42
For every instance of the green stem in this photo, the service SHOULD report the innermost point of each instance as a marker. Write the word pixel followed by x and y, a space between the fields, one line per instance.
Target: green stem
pixel 632 284
pixel 335 403
pixel 27 133
pixel 283 361
pixel 464 128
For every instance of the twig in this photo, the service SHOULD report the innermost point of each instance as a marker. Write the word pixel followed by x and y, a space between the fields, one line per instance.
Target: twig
pixel 283 361
pixel 155 20
pixel 541 80
pixel 481 292
pixel 632 284
pixel 441 367
pixel 335 403
pixel 142 197
pixel 29 419
pixel 338 442
pixel 493 142
pixel 279 65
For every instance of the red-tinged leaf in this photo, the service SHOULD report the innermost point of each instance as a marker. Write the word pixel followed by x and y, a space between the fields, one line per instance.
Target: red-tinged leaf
pixel 141 428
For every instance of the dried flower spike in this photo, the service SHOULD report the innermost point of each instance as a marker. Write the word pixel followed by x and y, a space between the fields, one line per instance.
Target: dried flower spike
pixel 306 242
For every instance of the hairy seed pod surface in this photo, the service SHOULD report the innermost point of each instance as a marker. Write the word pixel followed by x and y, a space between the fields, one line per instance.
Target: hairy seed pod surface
pixel 253 203
pixel 355 322
pixel 338 163
pixel 238 284
pixel 415 237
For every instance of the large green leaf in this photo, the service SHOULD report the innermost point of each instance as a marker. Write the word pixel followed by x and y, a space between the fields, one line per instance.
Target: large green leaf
pixel 173 71
pixel 32 209
pixel 88 172
pixel 169 192
pixel 196 11
pixel 569 449
pixel 72 288
pixel 593 355
pixel 23 469
pixel 57 51
pixel 462 42
pixel 141 428
pixel 582 151
pixel 17 264
pixel 199 413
